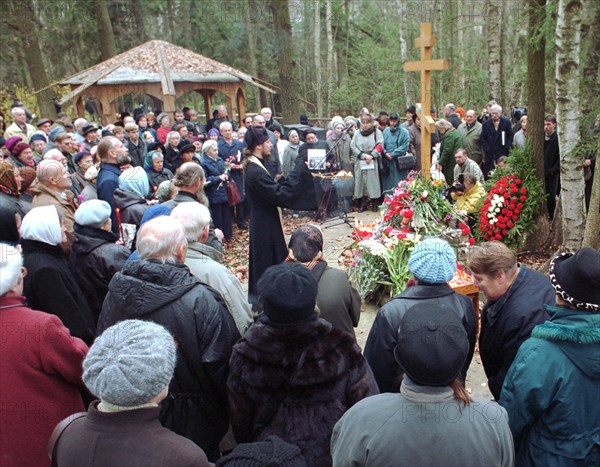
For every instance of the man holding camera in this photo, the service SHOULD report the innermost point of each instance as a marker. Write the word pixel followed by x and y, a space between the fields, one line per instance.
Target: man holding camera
pixel 465 165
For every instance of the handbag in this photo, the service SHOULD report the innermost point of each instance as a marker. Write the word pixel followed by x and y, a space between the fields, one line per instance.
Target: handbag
pixel 407 161
pixel 233 194
pixel 58 432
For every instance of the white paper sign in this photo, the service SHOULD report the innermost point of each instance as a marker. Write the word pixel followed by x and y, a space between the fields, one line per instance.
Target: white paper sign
pixel 316 159
pixel 364 165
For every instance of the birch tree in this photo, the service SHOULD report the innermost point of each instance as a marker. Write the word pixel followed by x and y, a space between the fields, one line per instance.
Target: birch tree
pixel 317 58
pixel 568 42
pixel 330 55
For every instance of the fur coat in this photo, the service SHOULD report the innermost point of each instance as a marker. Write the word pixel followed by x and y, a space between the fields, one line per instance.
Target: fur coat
pixel 296 383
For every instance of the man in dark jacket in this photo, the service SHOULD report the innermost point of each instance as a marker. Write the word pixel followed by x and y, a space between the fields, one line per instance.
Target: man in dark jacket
pixel 160 288
pixel 135 145
pixel 551 163
pixel 113 155
pixel 496 138
pixel 95 257
pixel 433 264
pixel 451 115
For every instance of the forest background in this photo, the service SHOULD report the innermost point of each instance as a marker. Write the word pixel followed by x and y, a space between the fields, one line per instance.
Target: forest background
pixel 332 57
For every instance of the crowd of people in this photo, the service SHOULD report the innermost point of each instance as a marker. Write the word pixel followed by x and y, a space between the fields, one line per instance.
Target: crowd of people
pixel 126 341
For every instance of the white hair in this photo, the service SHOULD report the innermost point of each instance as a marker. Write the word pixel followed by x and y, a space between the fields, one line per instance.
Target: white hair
pixel 171 134
pixel 225 125
pixel 445 124
pixel 11 263
pixel 208 144
pixel 496 107
pixel 78 123
pixel 15 110
pixel 194 217
pixel 160 238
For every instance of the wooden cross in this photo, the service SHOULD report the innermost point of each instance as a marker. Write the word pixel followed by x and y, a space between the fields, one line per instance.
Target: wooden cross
pixel 425 42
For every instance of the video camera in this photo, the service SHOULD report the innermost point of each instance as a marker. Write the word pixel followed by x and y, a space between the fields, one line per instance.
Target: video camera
pixel 517 112
pixel 458 187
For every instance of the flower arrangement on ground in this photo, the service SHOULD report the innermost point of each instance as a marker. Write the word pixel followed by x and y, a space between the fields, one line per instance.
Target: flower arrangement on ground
pixel 416 209
pixel 514 197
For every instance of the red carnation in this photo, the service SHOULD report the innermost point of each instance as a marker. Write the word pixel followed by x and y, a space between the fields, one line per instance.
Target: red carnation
pixel 466 231
pixel 518 181
pixel 523 190
pixel 519 206
pixel 471 241
pixel 407 214
pixel 510 225
pixel 498 236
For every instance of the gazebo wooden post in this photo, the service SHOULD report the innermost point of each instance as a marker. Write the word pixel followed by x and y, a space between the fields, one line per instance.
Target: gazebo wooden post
pixel 169 105
pixel 79 107
pixel 208 104
pixel 108 106
pixel 241 102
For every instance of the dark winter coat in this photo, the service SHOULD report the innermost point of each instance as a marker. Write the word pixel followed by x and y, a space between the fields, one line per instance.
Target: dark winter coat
pixel 168 294
pixel 551 391
pixel 95 259
pixel 267 243
pixel 51 287
pixel 551 156
pixel 296 383
pixel 491 139
pixel 235 153
pixel 106 184
pixel 132 207
pixel 451 142
pixel 137 152
pixel 507 322
pixel 172 158
pixel 40 374
pixel 156 178
pixel 383 337
pixel 214 187
pixel 126 439
pixel 454 119
pixel 338 301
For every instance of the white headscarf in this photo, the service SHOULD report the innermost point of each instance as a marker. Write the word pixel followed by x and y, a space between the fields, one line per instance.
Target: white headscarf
pixel 42 224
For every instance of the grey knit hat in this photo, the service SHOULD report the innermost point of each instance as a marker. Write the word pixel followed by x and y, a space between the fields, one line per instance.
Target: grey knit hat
pixel 273 451
pixel 130 363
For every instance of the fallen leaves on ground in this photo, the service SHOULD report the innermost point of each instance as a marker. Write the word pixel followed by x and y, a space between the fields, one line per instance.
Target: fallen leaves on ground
pixel 235 252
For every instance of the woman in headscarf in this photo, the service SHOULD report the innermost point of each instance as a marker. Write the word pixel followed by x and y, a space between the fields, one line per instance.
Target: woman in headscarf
pixel 22 155
pixel 290 153
pixel 172 150
pixel 50 285
pixel 10 188
pixel 367 147
pixel 216 187
pixel 164 127
pixel 130 197
pixel 156 170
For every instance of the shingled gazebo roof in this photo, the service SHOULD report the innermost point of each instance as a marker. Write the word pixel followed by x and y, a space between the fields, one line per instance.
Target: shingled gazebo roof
pixel 157 61
pixel 164 71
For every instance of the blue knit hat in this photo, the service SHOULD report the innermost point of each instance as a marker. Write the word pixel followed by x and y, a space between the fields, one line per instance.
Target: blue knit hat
pixel 433 261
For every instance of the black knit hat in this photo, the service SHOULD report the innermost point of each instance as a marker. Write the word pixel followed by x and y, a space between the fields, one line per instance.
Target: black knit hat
pixel 255 136
pixel 289 294
pixel 187 148
pixel 576 278
pixel 272 452
pixel 432 344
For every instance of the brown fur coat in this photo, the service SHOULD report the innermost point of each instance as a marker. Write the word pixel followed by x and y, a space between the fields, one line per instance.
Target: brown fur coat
pixel 296 383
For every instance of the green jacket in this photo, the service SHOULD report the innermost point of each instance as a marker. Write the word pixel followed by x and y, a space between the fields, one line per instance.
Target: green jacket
pixel 451 142
pixel 470 141
pixel 552 389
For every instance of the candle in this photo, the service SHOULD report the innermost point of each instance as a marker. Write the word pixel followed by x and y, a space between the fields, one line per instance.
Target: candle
pixel 119 224
pixel 503 138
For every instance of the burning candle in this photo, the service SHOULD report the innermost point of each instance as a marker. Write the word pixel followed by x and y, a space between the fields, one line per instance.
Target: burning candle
pixel 119 224
pixel 503 138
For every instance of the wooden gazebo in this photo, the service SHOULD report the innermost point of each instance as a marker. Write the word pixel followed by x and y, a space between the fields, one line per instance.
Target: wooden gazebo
pixel 161 70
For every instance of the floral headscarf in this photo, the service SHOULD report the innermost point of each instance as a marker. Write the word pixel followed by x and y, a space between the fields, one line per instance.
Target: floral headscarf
pixel 8 184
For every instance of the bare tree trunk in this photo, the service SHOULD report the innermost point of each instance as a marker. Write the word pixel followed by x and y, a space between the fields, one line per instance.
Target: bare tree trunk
pixel 252 90
pixel 330 55
pixel 494 40
pixel 408 98
pixel 170 14
pixel 317 57
pixel 536 95
pixel 21 17
pixel 568 43
pixel 289 90
pixel 591 237
pixel 107 37
pixel 138 16
pixel 590 41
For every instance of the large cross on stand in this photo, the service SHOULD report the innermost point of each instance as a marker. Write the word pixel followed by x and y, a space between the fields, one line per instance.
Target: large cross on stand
pixel 425 42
